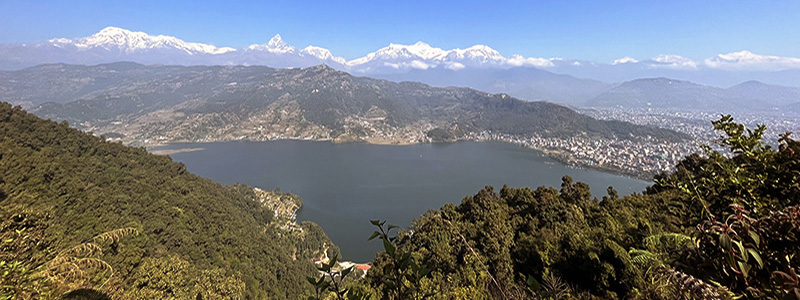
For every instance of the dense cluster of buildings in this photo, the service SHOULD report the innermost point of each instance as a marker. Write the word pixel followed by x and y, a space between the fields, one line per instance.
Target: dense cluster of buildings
pixel 283 206
pixel 641 157
pixel 697 124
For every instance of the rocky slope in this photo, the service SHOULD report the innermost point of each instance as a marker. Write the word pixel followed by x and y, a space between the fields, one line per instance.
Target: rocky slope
pixel 161 104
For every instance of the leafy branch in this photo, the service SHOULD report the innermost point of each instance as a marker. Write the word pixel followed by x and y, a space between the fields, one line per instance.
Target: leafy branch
pixel 331 280
pixel 401 274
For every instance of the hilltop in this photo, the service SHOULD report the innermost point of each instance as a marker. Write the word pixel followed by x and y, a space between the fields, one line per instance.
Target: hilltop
pixel 60 187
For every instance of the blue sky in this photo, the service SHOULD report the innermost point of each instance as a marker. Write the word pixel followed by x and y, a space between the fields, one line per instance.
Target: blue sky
pixel 589 30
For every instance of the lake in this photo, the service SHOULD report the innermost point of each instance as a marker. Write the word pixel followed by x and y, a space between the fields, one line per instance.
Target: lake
pixel 343 186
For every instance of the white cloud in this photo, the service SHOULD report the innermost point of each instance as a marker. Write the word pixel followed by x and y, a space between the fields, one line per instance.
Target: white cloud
pixel 625 60
pixel 396 66
pixel 419 65
pixel 672 61
pixel 415 64
pixel 454 66
pixel 746 60
pixel 519 60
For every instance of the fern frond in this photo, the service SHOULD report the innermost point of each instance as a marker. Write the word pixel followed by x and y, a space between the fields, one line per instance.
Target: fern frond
pixel 65 272
pixel 644 259
pixel 59 260
pixel 115 235
pixel 670 240
pixel 94 263
pixel 688 284
pixel 83 250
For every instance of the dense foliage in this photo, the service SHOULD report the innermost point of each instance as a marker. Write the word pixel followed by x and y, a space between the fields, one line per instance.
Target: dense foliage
pixel 176 234
pixel 724 225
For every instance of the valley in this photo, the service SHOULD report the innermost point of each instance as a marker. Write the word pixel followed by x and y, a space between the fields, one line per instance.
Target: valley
pixel 155 105
pixel 480 150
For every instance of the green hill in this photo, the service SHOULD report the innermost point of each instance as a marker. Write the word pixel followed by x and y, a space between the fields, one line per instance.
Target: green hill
pixel 162 104
pixel 81 215
pixel 718 228
pixel 59 188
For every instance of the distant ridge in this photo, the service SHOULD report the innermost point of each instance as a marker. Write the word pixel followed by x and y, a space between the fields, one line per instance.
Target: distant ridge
pixel 202 103
pixel 774 95
pixel 113 44
pixel 678 94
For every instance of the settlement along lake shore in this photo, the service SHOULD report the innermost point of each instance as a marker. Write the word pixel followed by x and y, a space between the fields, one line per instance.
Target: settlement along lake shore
pixel 640 158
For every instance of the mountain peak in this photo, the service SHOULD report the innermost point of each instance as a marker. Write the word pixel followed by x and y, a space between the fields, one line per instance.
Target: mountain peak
pixel 479 53
pixel 752 82
pixel 419 50
pixel 111 30
pixel 657 83
pixel 421 44
pixel 322 54
pixel 274 45
pixel 322 67
pixel 481 48
pixel 276 42
pixel 127 41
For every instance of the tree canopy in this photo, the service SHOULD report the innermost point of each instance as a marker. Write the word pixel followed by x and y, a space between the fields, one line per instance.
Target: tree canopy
pixel 82 217
pixel 723 225
pixel 60 187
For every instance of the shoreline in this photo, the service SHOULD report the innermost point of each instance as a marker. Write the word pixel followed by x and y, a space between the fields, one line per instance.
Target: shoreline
pixel 558 156
pixel 174 151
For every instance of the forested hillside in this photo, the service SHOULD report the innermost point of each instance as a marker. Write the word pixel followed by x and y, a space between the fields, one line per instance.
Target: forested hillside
pixel 82 213
pixel 82 216
pixel 720 227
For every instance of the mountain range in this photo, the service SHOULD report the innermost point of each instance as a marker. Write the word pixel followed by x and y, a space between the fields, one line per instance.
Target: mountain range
pixel 114 44
pixel 157 104
pixel 656 83
pixel 62 83
pixel 678 94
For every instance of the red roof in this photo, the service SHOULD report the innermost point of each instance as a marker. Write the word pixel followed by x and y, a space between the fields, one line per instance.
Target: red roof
pixel 363 267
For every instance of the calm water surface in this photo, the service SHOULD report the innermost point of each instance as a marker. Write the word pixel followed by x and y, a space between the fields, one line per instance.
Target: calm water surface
pixel 343 186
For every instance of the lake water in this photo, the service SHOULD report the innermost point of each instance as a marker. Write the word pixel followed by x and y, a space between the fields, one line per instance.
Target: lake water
pixel 343 186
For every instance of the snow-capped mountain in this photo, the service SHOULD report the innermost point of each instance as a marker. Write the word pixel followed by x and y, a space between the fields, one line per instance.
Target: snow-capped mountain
pixel 114 44
pixel 322 54
pixel 393 52
pixel 275 45
pixel 398 57
pixel 113 38
pixel 277 53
